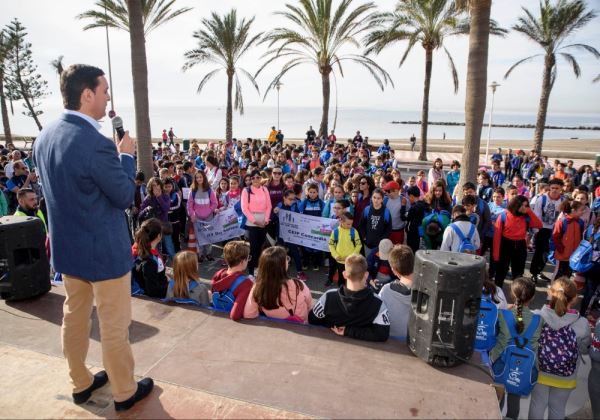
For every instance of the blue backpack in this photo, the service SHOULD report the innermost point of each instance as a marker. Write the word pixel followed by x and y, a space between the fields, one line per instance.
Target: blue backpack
pixel 242 219
pixel 387 216
pixel 487 324
pixel 193 285
pixel 466 242
pixel 336 236
pixel 225 298
pixel 581 259
pixel 441 218
pixel 516 367
pixel 552 247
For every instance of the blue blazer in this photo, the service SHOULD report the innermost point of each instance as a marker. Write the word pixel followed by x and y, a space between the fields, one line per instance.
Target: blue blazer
pixel 87 187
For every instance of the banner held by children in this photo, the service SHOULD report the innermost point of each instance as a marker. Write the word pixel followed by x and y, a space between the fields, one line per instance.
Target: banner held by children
pixel 222 227
pixel 308 231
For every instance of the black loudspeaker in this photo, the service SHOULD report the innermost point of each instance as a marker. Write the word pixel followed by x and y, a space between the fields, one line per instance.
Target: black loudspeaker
pixel 445 301
pixel 24 267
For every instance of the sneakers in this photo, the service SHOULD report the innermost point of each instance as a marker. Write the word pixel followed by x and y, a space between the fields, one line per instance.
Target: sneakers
pixel 316 268
pixel 302 276
pixel 544 277
pixel 100 379
pixel 144 387
pixel 304 266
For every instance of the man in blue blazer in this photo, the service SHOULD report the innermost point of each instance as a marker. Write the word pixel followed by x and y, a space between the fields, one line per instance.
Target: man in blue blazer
pixel 88 183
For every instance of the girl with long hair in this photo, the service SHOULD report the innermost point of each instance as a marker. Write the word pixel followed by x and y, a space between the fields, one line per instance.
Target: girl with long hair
pixel 256 206
pixel 185 283
pixel 157 204
pixel 565 337
pixel 212 171
pixel 201 207
pixel 366 186
pixel 438 198
pixel 274 293
pixel 510 233
pixel 149 267
pixel 436 173
pixel 567 234
pixel 523 291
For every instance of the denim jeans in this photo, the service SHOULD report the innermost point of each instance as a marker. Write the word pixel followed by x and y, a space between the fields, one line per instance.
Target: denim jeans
pixel 168 246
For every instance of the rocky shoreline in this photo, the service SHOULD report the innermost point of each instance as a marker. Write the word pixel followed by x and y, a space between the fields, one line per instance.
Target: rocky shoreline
pixel 547 127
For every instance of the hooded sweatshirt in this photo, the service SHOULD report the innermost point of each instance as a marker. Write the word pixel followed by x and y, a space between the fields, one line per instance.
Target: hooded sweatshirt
pixel 566 242
pixel 396 297
pixel 294 302
pixel 451 241
pixel 222 281
pixel 375 226
pixel 362 313
pixel 582 331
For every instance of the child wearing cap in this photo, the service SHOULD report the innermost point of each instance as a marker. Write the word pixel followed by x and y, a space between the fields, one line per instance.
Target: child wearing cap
pixel 396 295
pixel 380 271
pixel 394 204
pixel 414 217
pixel 353 310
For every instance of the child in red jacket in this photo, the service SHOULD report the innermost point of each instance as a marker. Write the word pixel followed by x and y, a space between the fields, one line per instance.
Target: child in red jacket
pixel 567 234
pixel 226 282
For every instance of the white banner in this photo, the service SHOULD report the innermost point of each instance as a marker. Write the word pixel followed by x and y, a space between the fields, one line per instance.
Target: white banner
pixel 309 231
pixel 222 227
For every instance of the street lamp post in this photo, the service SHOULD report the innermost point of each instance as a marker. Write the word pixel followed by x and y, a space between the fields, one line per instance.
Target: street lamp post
pixel 278 86
pixel 112 97
pixel 494 85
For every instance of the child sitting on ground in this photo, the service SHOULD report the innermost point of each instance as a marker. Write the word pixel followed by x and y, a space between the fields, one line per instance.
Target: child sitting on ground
pixel 342 244
pixel 396 295
pixel 185 284
pixel 236 255
pixel 353 310
pixel 380 272
pixel 149 267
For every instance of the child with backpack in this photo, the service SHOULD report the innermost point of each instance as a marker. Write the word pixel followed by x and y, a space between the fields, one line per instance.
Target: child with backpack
pixel 565 336
pixel 497 207
pixel 313 206
pixel 481 209
pixel 185 283
pixel 485 187
pixel 376 222
pixel 230 287
pixel 492 301
pixel 592 257
pixel 343 242
pixel 290 203
pixel 567 234
pixel 201 206
pixel 514 357
pixel 148 266
pixel 461 235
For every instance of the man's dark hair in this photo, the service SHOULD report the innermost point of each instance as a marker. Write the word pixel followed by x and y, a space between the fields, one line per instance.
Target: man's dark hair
pixel 469 186
pixel 74 80
pixel 414 191
pixel 187 165
pixel 24 191
pixel 140 176
pixel 556 181
pixel 469 200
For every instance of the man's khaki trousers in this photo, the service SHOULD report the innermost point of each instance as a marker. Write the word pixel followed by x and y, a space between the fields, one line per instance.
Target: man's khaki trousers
pixel 113 306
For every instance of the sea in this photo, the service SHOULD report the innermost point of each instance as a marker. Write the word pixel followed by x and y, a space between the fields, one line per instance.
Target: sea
pixel 209 122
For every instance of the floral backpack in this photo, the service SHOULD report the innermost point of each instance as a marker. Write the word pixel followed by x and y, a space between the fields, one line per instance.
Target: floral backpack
pixel 558 352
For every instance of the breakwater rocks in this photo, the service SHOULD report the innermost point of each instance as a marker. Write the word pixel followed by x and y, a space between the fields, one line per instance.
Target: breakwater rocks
pixel 547 127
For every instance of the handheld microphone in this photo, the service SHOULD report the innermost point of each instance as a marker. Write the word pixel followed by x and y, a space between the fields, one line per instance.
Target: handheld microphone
pixel 117 123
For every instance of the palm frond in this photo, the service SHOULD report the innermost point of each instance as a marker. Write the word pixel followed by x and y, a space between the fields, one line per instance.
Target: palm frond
pixel 238 104
pixel 206 78
pixel 573 62
pixel 583 47
pixel 452 70
pixel 524 60
pixel 596 79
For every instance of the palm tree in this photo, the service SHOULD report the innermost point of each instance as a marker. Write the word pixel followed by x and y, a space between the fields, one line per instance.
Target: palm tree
pixel 57 65
pixel 476 90
pixel 550 30
pixel 427 22
pixel 223 41
pixel 596 79
pixel 114 14
pixel 4 48
pixel 316 32
pixel 146 16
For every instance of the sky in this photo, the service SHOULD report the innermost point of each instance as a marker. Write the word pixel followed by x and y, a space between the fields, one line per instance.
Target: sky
pixel 54 30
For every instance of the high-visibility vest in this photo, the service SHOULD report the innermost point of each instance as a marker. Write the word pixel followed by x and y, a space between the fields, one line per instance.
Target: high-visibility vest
pixel 39 215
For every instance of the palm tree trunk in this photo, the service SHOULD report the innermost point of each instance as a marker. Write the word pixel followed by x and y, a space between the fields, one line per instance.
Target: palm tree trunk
pixel 5 120
pixel 538 136
pixel 475 98
pixel 425 108
pixel 229 115
pixel 323 129
pixel 139 73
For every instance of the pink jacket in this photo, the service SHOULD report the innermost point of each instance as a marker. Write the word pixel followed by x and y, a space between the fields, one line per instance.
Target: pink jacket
pixel 298 301
pixel 202 204
pixel 260 202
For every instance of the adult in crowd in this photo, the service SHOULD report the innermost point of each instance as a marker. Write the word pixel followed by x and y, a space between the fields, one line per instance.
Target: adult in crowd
pixel 88 183
pixel 256 206
pixel 21 178
pixel 366 186
pixel 28 206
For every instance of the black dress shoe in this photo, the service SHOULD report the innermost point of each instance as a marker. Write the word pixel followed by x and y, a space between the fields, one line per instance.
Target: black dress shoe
pixel 143 389
pixel 100 379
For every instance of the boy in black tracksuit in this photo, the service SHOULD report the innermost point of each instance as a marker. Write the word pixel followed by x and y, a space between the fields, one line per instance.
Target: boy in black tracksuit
pixel 414 217
pixel 353 310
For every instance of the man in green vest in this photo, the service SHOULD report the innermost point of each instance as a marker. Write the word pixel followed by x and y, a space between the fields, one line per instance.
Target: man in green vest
pixel 28 205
